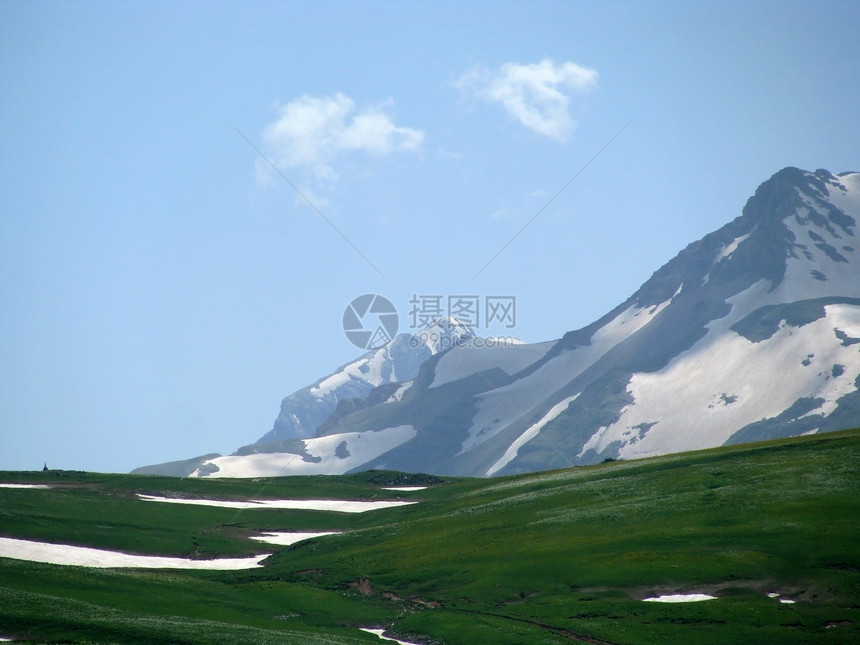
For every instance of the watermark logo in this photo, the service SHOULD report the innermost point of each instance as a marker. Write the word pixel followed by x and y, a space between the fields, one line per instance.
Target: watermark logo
pixel 370 321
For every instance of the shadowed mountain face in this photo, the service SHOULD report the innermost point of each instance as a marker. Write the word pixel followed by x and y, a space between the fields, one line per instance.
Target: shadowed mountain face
pixel 305 411
pixel 752 332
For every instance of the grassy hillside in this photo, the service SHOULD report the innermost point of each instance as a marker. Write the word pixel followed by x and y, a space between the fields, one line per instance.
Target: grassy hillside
pixel 556 557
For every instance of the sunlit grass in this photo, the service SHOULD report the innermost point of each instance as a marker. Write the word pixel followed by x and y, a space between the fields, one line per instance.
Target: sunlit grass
pixel 538 558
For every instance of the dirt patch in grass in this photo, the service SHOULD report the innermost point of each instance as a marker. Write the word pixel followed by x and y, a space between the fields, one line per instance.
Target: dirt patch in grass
pixel 362 586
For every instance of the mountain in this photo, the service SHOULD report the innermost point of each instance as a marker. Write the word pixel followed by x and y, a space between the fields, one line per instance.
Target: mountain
pixel 303 412
pixel 752 332
pixel 373 377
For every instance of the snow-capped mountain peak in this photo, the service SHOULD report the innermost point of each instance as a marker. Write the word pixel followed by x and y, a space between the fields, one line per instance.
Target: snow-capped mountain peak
pixel 305 411
pixel 443 333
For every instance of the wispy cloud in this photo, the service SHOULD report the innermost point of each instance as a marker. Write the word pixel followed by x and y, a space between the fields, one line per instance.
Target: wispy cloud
pixel 311 131
pixel 446 153
pixel 538 95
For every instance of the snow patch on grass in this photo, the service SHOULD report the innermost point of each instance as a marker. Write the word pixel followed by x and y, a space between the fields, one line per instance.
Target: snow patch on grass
pixel 337 505
pixel 405 489
pixel 380 632
pixel 68 555
pixel 24 486
pixel 285 538
pixel 681 597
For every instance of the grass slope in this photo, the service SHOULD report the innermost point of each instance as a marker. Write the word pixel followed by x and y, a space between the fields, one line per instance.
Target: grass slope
pixel 554 557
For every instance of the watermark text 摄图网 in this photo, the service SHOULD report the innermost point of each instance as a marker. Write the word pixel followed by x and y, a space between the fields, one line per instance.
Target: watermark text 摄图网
pixel 468 309
pixel 370 321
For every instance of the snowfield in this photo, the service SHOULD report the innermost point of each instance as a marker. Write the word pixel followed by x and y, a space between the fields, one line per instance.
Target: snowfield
pixel 64 554
pixel 462 362
pixel 330 455
pixel 680 597
pixel 503 406
pixel 365 370
pixel 380 632
pixel 380 367
pixel 841 277
pixel 286 538
pixel 726 382
pixel 340 506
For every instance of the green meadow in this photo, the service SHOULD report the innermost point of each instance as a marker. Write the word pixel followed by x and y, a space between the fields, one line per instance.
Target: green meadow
pixel 563 556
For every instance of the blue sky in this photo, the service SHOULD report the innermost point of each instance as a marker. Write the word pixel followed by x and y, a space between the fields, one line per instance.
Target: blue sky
pixel 162 288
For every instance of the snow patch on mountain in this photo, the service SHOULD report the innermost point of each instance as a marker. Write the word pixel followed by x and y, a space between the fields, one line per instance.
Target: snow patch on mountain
pixel 501 407
pixel 628 323
pixel 329 455
pixel 305 411
pixel 378 367
pixel 400 391
pixel 727 250
pixel 835 272
pixel 368 371
pixel 530 434
pixel 442 334
pixel 473 358
pixel 726 382
pixel 847 200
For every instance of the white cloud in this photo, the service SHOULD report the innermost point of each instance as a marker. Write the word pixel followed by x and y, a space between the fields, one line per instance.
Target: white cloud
pixel 311 131
pixel 538 95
